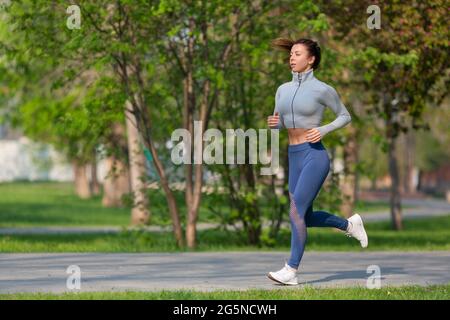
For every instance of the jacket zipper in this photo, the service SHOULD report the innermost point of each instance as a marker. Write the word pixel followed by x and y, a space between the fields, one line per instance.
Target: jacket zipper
pixel 292 102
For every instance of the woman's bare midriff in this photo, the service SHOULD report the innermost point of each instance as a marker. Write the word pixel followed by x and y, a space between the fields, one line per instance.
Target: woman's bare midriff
pixel 297 135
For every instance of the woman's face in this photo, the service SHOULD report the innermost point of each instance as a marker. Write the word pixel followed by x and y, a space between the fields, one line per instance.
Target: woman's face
pixel 300 60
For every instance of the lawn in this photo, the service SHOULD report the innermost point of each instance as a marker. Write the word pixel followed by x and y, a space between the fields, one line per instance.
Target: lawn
pixel 418 234
pixel 34 204
pixel 54 204
pixel 38 204
pixel 433 292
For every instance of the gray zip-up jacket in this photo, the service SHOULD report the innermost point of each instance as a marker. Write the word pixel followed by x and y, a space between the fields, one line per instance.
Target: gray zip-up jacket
pixel 301 102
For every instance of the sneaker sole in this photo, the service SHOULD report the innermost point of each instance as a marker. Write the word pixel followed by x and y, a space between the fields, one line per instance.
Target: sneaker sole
pixel 278 281
pixel 365 233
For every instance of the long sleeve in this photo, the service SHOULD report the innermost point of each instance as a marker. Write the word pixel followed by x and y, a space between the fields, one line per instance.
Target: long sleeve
pixel 333 101
pixel 277 109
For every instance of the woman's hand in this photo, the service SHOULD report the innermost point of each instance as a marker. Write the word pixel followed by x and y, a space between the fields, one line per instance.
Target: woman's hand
pixel 272 121
pixel 313 135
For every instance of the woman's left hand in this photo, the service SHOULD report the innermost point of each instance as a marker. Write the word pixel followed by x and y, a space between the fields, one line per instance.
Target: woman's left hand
pixel 313 135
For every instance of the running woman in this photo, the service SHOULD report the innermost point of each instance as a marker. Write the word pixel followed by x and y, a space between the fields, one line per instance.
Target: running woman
pixel 299 106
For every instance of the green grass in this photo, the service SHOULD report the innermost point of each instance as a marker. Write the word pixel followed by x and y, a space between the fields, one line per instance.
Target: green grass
pixel 53 204
pixel 375 206
pixel 34 204
pixel 433 292
pixel 37 204
pixel 418 234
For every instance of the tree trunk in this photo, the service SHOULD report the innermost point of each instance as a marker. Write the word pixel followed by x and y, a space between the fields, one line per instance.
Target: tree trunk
pixel 188 106
pixel 395 201
pixel 140 213
pixel 116 184
pixel 171 202
pixel 81 180
pixel 194 187
pixel 144 125
pixel 357 179
pixel 373 184
pixel 395 195
pixel 348 181
pixel 95 185
pixel 117 180
pixel 408 181
pixel 193 190
pixel 254 229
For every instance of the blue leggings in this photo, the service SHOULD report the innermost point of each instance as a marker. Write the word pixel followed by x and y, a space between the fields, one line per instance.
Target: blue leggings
pixel 309 165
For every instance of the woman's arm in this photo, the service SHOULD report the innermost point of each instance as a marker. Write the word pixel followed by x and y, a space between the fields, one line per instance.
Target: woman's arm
pixel 277 110
pixel 333 101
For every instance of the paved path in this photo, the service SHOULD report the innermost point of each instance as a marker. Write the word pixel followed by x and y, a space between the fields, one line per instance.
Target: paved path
pixel 422 208
pixel 206 271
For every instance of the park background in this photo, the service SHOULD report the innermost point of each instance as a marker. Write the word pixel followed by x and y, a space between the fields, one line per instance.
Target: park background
pixel 90 95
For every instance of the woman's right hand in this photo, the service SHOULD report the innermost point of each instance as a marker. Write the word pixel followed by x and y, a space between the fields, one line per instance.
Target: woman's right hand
pixel 272 121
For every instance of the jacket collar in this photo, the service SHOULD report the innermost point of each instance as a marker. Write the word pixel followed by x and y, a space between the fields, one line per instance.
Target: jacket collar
pixel 300 77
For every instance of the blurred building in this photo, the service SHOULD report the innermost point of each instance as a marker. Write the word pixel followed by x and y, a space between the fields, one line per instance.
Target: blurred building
pixel 26 160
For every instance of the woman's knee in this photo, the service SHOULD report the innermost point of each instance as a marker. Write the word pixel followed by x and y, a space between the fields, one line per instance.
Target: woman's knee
pixel 298 222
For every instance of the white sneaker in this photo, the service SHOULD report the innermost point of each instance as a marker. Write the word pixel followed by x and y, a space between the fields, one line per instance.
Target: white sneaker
pixel 287 275
pixel 356 229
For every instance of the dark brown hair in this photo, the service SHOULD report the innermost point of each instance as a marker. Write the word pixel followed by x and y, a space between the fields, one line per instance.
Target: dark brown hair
pixel 286 44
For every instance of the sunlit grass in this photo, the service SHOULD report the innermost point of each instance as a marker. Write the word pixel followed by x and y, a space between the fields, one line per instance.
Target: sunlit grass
pixel 35 204
pixel 418 234
pixel 435 292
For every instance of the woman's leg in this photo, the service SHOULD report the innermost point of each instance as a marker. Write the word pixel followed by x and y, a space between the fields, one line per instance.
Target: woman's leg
pixel 313 172
pixel 324 219
pixel 296 161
